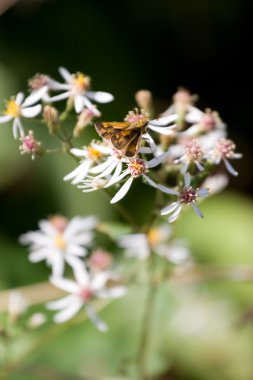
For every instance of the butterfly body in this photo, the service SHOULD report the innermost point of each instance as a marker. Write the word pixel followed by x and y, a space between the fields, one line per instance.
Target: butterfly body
pixel 124 136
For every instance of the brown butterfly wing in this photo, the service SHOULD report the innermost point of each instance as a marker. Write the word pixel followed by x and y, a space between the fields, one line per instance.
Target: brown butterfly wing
pixel 120 136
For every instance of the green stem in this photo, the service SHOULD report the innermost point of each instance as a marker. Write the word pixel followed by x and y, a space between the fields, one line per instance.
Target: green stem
pixel 147 318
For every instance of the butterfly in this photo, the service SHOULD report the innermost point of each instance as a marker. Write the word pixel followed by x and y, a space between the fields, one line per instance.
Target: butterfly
pixel 125 136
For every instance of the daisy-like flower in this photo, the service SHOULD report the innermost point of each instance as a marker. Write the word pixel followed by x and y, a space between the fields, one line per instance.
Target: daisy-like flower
pixel 60 240
pixel 209 121
pixel 39 86
pixel 92 155
pixel 30 145
pixel 187 196
pixel 225 150
pixel 157 240
pixel 183 107
pixel 77 88
pixel 92 184
pixel 100 260
pixel 16 108
pixel 85 289
pixel 193 154
pixel 136 167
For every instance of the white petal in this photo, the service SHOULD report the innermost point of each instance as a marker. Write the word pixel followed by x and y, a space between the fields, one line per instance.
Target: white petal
pixel 35 96
pixel 79 224
pixel 157 160
pixel 167 190
pixel 39 255
pixel 187 180
pixel 162 130
pixel 57 264
pixel 65 284
pixel 65 74
pixel 199 166
pixel 61 303
pixel 31 111
pixel 175 215
pixel 79 103
pixel 19 98
pixel 151 142
pixel 47 227
pixel 100 96
pixel 197 210
pixel 118 179
pixel 194 115
pixel 150 181
pixel 83 170
pixel 56 98
pixel 99 280
pixel 5 119
pixel 202 193
pixel 17 128
pixel 81 275
pixel 122 191
pixel 114 292
pixel 163 121
pixel 101 326
pixel 101 167
pixel 170 208
pixel 76 250
pixel 230 168
pixel 68 313
pixel 115 175
pixel 79 152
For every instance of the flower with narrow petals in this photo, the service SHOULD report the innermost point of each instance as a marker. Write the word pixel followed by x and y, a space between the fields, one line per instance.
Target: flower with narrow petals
pixel 40 85
pixel 136 168
pixel 16 108
pixel 187 196
pixel 60 240
pixel 77 88
pixel 30 145
pixel 158 240
pixel 91 155
pixel 193 154
pixel 85 289
pixel 225 150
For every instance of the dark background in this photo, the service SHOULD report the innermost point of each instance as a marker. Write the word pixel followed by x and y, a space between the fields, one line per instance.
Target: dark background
pixel 125 46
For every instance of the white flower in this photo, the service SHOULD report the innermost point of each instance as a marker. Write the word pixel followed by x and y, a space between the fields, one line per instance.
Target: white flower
pixel 225 150
pixel 92 154
pixel 60 240
pixel 15 109
pixel 77 87
pixel 40 85
pixel 83 290
pixel 188 195
pixel 157 239
pixel 193 154
pixel 136 168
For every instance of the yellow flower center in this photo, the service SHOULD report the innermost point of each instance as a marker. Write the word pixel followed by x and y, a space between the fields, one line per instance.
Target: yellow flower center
pixel 60 242
pixel 81 81
pixel 154 236
pixel 93 153
pixel 12 108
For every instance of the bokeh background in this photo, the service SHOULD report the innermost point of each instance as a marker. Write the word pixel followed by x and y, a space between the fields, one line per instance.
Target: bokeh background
pixel 201 331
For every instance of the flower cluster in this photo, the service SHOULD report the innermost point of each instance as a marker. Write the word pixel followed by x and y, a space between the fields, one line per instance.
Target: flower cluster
pixel 181 154
pixel 60 241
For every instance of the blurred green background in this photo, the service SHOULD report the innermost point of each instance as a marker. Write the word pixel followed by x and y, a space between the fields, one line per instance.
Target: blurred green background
pixel 200 330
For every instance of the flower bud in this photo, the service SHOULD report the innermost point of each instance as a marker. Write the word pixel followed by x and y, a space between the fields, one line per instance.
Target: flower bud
pixel 51 117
